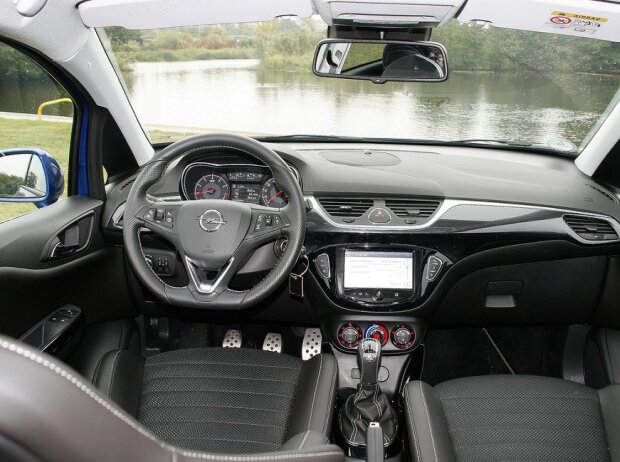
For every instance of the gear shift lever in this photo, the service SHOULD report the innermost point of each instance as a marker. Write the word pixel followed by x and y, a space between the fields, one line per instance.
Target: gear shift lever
pixel 369 359
pixel 368 404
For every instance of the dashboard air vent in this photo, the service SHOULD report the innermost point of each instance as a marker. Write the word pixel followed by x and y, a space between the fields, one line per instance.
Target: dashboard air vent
pixel 346 206
pixel 412 208
pixel 590 228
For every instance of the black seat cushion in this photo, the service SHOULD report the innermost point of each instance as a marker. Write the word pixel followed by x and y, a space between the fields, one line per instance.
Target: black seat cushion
pixel 513 418
pixel 226 400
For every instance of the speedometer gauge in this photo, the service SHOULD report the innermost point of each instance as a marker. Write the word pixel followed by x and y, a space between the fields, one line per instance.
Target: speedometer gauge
pixel 212 187
pixel 272 195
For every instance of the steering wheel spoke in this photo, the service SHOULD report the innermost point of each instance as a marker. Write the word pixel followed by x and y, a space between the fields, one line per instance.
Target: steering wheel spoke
pixel 206 281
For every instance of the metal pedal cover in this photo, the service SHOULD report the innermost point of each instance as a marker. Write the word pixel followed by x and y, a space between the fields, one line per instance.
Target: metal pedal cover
pixel 232 339
pixel 273 342
pixel 311 345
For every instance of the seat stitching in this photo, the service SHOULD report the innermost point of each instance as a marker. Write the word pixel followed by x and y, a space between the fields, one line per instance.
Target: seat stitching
pixel 215 377
pixel 152 364
pixel 413 427
pixel 180 421
pixel 165 406
pixel 483 397
pixel 330 400
pixel 96 372
pixel 316 386
pixel 428 418
pixel 109 389
pixel 304 439
pixel 217 391
pixel 14 348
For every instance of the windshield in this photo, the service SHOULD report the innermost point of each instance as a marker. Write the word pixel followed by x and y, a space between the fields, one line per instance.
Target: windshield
pixel 521 88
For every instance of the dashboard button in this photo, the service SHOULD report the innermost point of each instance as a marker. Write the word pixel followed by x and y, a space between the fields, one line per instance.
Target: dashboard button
pixel 403 336
pixel 378 332
pixel 322 265
pixel 433 266
pixel 378 295
pixel 379 215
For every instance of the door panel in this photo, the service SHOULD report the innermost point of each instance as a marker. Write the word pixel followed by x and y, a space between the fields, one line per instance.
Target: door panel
pixel 32 285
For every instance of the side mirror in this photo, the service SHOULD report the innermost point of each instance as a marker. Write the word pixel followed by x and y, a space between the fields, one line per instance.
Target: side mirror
pixel 381 61
pixel 30 175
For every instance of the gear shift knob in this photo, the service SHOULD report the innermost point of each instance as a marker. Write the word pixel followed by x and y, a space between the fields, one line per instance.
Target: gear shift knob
pixel 369 360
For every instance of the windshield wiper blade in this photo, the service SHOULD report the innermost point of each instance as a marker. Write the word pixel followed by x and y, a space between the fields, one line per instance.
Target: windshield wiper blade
pixel 515 143
pixel 309 138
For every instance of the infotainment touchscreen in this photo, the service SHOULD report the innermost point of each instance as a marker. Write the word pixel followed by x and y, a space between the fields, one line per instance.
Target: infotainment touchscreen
pixel 378 270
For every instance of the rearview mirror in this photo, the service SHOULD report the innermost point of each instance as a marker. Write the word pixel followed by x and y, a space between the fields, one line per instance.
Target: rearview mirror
pixel 30 175
pixel 381 61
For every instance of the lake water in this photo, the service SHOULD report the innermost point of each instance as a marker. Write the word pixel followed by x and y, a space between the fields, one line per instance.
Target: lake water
pixel 237 96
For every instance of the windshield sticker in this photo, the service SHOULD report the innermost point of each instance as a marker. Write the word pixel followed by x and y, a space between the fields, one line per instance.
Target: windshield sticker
pixel 578 23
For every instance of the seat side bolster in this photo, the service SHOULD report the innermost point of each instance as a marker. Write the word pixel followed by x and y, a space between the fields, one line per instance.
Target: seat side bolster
pixel 313 405
pixel 429 438
pixel 119 376
pixel 609 398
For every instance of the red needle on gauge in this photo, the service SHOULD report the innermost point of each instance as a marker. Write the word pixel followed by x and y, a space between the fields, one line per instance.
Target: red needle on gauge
pixel 273 197
pixel 208 191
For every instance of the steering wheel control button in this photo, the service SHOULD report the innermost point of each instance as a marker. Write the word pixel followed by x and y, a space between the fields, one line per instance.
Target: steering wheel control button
pixel 378 332
pixel 350 335
pixel 149 215
pixel 322 265
pixel 403 336
pixel 433 267
pixel 268 221
pixel 379 215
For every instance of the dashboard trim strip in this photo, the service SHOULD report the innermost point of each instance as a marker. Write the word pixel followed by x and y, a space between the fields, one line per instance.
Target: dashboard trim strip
pixel 448 204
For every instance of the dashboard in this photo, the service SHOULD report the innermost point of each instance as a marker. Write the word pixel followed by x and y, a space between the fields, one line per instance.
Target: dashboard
pixel 399 236
pixel 249 183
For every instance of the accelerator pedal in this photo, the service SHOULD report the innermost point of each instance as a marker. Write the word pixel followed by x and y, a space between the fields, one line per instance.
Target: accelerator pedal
pixel 232 339
pixel 273 342
pixel 311 345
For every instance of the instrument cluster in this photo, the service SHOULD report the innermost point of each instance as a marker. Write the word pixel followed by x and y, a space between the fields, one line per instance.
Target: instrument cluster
pixel 248 183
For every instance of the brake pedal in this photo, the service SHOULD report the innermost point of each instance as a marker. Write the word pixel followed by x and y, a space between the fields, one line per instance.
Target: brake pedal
pixel 273 342
pixel 311 345
pixel 232 339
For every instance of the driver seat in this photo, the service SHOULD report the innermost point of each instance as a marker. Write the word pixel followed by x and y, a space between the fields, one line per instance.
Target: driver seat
pixel 180 405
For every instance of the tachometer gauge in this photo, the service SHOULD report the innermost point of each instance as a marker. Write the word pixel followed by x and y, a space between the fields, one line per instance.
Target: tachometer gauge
pixel 212 187
pixel 272 195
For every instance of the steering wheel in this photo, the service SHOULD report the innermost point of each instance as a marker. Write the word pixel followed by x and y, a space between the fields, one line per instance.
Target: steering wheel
pixel 214 237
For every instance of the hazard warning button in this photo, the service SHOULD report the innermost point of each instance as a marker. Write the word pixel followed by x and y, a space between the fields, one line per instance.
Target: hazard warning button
pixel 379 215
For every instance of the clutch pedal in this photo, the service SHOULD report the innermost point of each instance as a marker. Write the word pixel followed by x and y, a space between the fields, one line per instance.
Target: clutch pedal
pixel 273 342
pixel 232 339
pixel 311 345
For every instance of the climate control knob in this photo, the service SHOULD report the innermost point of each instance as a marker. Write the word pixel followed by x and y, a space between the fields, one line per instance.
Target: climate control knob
pixel 349 335
pixel 378 332
pixel 403 336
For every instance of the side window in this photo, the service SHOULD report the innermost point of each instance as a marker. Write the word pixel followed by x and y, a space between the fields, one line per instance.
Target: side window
pixel 35 112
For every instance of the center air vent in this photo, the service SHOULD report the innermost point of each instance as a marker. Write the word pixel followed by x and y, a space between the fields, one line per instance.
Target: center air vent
pixel 345 206
pixel 412 208
pixel 590 228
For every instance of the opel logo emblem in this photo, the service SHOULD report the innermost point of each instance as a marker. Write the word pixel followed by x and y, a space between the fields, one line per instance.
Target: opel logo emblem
pixel 211 220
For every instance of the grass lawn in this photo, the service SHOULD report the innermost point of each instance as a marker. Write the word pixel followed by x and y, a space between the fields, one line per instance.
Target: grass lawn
pixel 53 137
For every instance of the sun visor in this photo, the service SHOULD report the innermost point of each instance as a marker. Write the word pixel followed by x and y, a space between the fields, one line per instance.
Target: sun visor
pixel 578 18
pixel 156 14
pixel 391 13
